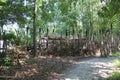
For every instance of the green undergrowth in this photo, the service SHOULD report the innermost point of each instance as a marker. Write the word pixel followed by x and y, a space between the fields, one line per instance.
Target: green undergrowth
pixel 115 76
pixel 115 54
pixel 6 62
pixel 117 62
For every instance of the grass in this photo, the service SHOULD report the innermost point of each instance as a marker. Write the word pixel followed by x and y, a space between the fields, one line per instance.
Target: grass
pixel 117 62
pixel 115 76
pixel 115 54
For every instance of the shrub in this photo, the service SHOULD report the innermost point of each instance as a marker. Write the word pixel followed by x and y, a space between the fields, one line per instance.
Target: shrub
pixel 115 76
pixel 115 54
pixel 8 61
pixel 117 63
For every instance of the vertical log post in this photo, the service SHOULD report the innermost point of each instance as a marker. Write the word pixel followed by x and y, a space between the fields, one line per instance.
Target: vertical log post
pixel 61 40
pixel 47 36
pixel 66 37
pixel 40 41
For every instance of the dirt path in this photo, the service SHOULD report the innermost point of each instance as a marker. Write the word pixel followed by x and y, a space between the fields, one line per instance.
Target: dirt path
pixel 90 69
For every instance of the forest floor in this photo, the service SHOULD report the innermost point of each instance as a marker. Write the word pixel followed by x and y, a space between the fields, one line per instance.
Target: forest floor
pixel 95 68
pixel 61 68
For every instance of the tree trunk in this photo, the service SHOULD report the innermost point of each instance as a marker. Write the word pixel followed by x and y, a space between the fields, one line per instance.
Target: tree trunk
pixel 34 29
pixel 1 31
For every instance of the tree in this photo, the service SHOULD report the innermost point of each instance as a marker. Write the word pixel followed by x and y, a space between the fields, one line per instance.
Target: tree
pixel 34 29
pixel 12 11
pixel 35 26
pixel 110 8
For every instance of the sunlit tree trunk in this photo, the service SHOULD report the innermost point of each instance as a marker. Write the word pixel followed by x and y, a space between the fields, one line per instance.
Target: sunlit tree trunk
pixel 91 21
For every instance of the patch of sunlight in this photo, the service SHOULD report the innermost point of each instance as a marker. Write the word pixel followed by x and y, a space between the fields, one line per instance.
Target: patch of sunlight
pixel 115 76
pixel 3 1
pixel 71 79
pixel 1 7
pixel 42 57
pixel 117 62
pixel 105 73
pixel 28 72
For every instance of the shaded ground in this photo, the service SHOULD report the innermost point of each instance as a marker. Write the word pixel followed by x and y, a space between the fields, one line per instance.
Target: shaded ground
pixel 52 67
pixel 40 68
pixel 90 69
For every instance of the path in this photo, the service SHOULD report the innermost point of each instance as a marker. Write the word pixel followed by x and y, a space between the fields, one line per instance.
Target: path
pixel 90 69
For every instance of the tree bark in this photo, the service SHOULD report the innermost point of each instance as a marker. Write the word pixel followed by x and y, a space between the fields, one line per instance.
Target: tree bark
pixel 34 29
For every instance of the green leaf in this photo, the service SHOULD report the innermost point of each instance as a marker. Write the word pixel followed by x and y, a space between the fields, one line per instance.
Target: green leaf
pixel 40 2
pixel 3 0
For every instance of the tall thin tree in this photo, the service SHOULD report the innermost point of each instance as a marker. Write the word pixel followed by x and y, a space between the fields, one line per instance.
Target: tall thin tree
pixel 34 29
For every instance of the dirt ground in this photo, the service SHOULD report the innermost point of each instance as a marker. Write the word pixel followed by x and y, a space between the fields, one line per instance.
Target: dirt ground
pixel 59 68
pixel 94 68
pixel 39 68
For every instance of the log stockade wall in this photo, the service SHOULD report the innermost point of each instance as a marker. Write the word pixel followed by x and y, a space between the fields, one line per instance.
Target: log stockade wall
pixel 73 46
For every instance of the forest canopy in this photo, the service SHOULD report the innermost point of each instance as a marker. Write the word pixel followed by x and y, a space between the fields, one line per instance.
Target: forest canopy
pixel 79 18
pixel 110 8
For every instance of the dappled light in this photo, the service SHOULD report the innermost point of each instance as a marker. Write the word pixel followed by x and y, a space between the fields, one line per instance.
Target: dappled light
pixel 59 39
pixel 93 69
